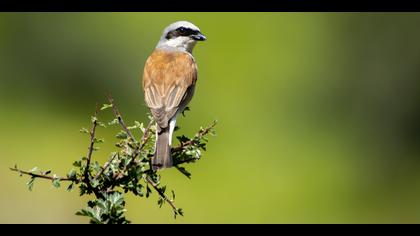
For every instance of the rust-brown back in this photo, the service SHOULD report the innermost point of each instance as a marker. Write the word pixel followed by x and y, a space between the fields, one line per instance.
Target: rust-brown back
pixel 168 81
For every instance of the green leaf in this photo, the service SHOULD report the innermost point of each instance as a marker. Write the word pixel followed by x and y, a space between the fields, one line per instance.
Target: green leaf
pixel 98 140
pixel 77 163
pixel 185 110
pixel 160 202
pixel 163 189
pixel 95 183
pixel 113 122
pixel 182 138
pixel 184 171
pixel 70 187
pixel 173 194
pixel 84 130
pixel 56 182
pixel 71 174
pixel 139 190
pixel 180 212
pixel 137 125
pixel 106 106
pixel 34 169
pixel 30 183
pixel 102 124
pixel 148 191
pixel 93 119
pixel 96 167
pixel 121 135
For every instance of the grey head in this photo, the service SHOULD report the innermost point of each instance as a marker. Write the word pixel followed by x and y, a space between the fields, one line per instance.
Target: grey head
pixel 181 35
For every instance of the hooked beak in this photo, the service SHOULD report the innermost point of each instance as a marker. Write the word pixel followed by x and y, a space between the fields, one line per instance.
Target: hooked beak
pixel 199 37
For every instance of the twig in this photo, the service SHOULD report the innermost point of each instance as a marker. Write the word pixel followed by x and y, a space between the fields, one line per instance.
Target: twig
pixel 41 176
pixel 146 135
pixel 199 135
pixel 92 142
pixel 144 139
pixel 105 166
pixel 120 120
pixel 137 150
pixel 154 185
pixel 86 178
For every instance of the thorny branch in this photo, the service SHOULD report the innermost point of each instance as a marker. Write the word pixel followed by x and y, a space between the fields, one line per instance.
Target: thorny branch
pixel 143 140
pixel 138 148
pixel 125 172
pixel 119 117
pixel 86 178
pixel 41 175
pixel 199 135
pixel 106 165
pixel 161 194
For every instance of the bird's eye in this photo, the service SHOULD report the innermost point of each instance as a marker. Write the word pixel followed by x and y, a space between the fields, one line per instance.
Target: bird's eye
pixel 182 29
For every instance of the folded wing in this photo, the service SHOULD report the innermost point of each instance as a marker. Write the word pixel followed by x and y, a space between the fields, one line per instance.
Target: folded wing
pixel 168 81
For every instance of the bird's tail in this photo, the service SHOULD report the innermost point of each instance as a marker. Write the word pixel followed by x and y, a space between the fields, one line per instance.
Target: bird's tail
pixel 162 158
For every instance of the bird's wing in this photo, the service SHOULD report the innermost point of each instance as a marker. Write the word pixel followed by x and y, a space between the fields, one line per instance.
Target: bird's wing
pixel 168 82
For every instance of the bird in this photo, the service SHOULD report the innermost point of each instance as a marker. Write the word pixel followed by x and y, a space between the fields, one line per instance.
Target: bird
pixel 169 80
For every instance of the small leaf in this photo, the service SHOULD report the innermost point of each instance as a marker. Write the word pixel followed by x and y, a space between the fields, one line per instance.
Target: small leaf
pixel 95 183
pixel 148 191
pixel 71 174
pixel 34 169
pixel 182 138
pixel 106 106
pixel 186 109
pixel 160 202
pixel 180 212
pixel 101 124
pixel 98 140
pixel 113 122
pixel 173 194
pixel 84 130
pixel 93 119
pixel 96 167
pixel 77 163
pixel 163 189
pixel 137 125
pixel 30 183
pixel 184 171
pixel 70 187
pixel 47 172
pixel 56 182
pixel 121 135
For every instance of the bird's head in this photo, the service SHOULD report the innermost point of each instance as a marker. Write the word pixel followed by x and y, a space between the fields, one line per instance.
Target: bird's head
pixel 181 35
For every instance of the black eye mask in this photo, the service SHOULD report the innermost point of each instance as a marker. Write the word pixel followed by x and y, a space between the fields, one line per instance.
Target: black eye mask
pixel 181 31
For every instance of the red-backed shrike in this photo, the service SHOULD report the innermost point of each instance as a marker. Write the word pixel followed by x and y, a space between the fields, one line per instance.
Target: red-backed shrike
pixel 169 78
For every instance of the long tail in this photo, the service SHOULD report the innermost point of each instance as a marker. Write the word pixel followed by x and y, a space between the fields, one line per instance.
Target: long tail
pixel 162 158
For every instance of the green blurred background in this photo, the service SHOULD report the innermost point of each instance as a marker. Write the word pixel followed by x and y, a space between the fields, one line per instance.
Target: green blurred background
pixel 319 113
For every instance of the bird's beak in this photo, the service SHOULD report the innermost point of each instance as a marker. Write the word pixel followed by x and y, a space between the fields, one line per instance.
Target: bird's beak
pixel 199 37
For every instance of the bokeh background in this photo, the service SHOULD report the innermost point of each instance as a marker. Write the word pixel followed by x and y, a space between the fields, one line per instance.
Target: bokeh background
pixel 319 113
